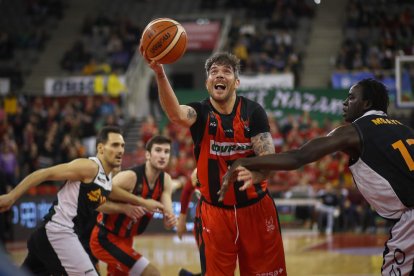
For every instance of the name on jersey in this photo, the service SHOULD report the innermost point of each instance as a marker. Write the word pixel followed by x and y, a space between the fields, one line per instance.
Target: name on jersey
pixel 382 121
pixel 229 148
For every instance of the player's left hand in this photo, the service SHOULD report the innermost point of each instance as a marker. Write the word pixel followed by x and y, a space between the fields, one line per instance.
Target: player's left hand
pixel 170 220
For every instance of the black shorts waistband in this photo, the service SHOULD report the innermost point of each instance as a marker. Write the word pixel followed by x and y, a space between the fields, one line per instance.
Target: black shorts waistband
pixel 238 205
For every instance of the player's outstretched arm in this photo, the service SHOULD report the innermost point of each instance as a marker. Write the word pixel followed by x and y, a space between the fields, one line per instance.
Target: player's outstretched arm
pixel 344 138
pixel 79 169
pixel 132 211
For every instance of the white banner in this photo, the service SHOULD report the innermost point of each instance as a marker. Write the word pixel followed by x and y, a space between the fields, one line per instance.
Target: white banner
pixel 88 85
pixel 4 86
pixel 285 80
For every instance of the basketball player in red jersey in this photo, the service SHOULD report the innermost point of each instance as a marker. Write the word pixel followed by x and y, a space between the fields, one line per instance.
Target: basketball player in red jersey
pixel 225 127
pixel 381 152
pixel 112 237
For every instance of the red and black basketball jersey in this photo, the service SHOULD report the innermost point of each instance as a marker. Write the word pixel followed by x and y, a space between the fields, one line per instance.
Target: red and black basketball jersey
pixel 220 139
pixel 122 225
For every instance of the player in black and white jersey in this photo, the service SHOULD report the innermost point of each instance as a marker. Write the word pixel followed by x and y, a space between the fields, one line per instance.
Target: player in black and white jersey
pixel 381 159
pixel 55 248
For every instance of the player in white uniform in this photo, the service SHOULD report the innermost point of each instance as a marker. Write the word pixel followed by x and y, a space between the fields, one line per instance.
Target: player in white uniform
pixel 55 247
pixel 381 159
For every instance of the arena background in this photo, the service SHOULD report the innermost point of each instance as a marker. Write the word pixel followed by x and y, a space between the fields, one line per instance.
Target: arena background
pixel 69 67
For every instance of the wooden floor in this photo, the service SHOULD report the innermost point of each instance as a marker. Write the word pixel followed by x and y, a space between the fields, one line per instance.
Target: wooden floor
pixel 307 253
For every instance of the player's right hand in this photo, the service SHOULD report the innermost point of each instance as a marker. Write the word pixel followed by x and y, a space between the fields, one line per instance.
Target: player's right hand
pixel 6 202
pixel 153 206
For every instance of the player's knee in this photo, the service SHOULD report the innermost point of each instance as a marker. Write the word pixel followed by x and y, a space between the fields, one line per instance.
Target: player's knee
pixel 151 270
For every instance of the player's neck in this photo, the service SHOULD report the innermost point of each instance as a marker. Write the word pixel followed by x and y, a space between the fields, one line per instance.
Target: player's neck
pixel 224 107
pixel 151 173
pixel 107 168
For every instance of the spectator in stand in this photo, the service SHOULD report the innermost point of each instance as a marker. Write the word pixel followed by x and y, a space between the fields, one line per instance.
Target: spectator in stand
pixel 329 208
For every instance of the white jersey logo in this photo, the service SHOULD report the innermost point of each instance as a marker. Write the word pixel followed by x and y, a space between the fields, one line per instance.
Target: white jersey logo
pixel 229 148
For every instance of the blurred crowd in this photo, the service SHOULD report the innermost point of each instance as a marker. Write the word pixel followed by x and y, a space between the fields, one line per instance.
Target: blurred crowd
pixel 376 31
pixel 37 132
pixel 106 45
pixel 24 31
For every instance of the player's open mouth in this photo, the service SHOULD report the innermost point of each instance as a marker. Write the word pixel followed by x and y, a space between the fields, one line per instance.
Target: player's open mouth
pixel 219 86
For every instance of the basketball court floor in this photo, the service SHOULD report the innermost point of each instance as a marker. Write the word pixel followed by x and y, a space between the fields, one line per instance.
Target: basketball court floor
pixel 307 253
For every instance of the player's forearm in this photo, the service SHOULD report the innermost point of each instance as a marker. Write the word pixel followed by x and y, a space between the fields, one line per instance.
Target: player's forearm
pixel 28 182
pixel 167 97
pixel 118 194
pixel 279 161
pixel 185 198
pixel 110 207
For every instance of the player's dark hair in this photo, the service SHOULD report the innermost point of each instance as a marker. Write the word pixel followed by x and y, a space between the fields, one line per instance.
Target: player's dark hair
pixel 103 134
pixel 375 92
pixel 224 58
pixel 159 140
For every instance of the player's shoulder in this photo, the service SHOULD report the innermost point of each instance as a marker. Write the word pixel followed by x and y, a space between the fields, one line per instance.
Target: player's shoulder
pixel 86 163
pixel 343 131
pixel 250 105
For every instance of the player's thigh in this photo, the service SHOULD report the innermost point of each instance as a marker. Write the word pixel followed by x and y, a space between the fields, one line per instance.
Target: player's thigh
pixel 70 252
pixel 217 240
pixel 261 246
pixel 41 258
pixel 399 249
pixel 117 252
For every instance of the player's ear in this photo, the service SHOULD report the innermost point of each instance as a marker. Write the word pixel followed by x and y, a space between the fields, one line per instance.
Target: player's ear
pixel 99 148
pixel 367 104
pixel 237 83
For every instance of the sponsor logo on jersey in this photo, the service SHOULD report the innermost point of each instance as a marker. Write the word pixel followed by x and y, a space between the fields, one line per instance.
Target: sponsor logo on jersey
pixel 229 148
pixel 96 196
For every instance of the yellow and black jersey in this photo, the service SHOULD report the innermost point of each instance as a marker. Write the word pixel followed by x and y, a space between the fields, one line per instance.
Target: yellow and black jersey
pixel 384 173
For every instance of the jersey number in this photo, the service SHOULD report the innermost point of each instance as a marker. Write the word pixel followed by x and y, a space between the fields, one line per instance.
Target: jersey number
pixel 399 145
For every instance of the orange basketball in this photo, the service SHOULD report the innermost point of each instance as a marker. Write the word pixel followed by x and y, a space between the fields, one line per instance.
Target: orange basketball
pixel 164 40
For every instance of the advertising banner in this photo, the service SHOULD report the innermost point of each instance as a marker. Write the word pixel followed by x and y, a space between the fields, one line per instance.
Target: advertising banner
pixel 202 35
pixel 112 85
